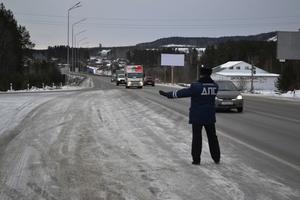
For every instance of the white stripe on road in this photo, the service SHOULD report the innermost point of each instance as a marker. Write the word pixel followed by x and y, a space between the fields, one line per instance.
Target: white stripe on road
pixel 276 116
pixel 259 151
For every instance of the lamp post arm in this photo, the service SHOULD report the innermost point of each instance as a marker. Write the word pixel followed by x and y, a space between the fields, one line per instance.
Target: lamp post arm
pixel 77 5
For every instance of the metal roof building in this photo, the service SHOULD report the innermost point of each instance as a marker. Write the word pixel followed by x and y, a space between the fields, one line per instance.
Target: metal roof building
pixel 241 74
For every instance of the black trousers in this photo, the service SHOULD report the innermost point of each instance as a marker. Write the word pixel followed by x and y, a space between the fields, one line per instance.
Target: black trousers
pixel 213 142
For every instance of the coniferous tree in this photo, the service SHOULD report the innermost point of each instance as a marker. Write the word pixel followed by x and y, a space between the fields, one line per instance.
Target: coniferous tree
pixel 14 40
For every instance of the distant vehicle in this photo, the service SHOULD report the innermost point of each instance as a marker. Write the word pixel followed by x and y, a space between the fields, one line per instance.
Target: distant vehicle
pixel 229 97
pixel 149 80
pixel 134 76
pixel 120 77
pixel 113 78
pixel 122 64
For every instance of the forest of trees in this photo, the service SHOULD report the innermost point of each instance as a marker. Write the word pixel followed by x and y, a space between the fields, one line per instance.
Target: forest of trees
pixel 204 41
pixel 60 52
pixel 260 53
pixel 16 65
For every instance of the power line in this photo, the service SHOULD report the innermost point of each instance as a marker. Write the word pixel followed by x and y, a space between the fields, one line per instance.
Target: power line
pixel 201 24
pixel 164 19
pixel 126 25
pixel 38 15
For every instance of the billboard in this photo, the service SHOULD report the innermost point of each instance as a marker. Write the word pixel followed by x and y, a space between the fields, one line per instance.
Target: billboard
pixel 172 60
pixel 288 45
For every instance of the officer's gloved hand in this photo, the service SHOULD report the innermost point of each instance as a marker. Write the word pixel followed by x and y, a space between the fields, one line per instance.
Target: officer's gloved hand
pixel 163 93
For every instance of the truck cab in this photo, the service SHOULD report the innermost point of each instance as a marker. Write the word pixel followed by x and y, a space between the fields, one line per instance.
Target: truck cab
pixel 134 76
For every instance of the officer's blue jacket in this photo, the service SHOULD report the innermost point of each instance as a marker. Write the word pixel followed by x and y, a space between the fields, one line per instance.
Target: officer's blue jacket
pixel 202 93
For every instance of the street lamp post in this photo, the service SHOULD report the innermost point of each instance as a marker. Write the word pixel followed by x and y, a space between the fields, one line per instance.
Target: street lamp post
pixel 80 57
pixel 73 25
pixel 77 5
pixel 75 63
pixel 77 58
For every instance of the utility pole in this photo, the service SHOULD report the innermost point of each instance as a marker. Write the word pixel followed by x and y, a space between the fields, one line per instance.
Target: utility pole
pixel 78 58
pixel 253 71
pixel 76 50
pixel 165 74
pixel 172 74
pixel 198 70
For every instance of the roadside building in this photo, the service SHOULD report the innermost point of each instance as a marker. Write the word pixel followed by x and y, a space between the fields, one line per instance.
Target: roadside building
pixel 242 73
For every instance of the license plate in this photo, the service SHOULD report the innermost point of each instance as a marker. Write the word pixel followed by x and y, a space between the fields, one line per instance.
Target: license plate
pixel 227 103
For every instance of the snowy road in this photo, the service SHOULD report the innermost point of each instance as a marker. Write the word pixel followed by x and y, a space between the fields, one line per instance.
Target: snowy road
pixel 113 144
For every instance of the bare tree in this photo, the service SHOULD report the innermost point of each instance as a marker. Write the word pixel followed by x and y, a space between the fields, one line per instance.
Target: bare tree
pixel 242 83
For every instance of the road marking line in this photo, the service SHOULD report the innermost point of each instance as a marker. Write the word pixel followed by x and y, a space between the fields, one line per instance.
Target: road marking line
pixel 275 116
pixel 260 151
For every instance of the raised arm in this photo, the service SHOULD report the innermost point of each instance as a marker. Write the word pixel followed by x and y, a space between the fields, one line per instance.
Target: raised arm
pixel 185 92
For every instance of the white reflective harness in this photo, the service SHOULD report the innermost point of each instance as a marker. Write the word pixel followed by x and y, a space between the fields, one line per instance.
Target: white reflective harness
pixel 175 94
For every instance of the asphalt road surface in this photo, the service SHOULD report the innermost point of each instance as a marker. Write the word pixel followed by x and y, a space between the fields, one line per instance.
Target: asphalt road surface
pixel 109 142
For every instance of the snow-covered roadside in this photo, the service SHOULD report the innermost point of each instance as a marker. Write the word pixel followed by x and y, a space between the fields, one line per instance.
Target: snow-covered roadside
pixel 15 108
pixel 290 95
pixel 86 82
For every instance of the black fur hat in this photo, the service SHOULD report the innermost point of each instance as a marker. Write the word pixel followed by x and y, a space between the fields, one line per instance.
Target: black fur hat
pixel 205 71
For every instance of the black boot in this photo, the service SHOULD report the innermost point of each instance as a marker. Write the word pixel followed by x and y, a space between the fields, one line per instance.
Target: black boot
pixel 217 161
pixel 196 162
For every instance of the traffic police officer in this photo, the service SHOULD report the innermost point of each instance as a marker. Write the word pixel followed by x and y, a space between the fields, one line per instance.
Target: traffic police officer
pixel 202 113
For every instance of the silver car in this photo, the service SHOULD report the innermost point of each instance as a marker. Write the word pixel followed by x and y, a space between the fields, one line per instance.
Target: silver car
pixel 229 97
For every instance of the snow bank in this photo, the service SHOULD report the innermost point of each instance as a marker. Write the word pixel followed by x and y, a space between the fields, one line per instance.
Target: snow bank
pixel 290 95
pixel 76 83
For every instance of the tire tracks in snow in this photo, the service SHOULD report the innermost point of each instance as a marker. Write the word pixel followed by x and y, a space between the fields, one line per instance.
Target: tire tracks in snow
pixel 114 145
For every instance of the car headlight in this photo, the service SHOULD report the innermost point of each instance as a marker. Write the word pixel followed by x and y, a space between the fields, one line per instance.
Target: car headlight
pixel 216 98
pixel 239 97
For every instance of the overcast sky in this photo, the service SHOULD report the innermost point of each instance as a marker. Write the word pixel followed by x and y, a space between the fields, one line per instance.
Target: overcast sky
pixel 128 22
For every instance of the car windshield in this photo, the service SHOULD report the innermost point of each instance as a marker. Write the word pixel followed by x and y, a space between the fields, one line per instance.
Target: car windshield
pixel 226 86
pixel 135 75
pixel 121 75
